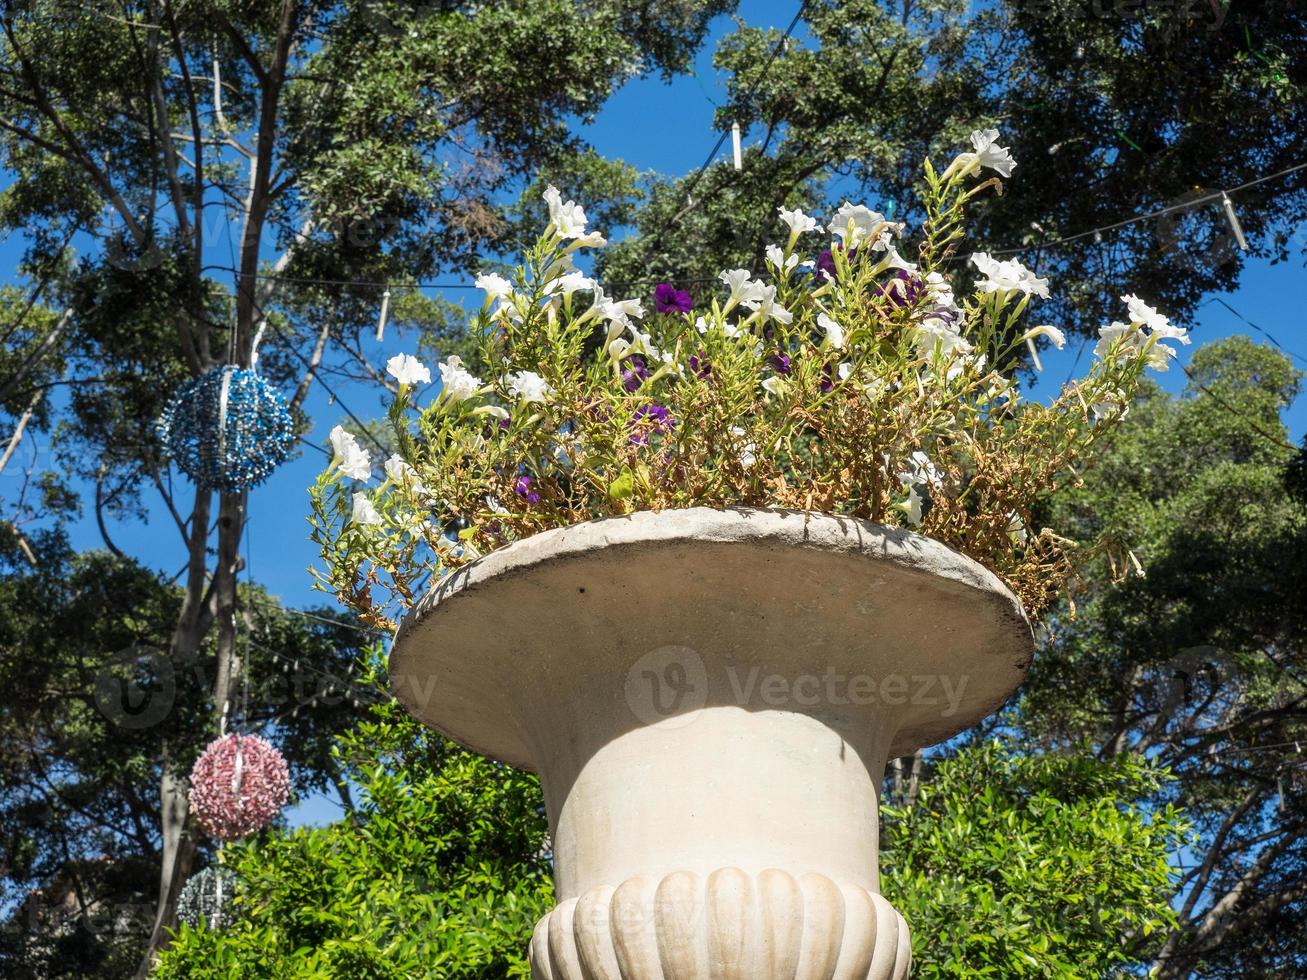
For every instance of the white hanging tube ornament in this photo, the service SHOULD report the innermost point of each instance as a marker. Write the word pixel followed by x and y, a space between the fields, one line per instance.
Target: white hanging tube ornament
pixel 385 308
pixel 735 145
pixel 1233 218
pixel 1034 354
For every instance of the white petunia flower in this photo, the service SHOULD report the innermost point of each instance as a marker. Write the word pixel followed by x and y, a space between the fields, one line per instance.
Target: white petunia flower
pixel 572 282
pixel 567 217
pixel 1108 336
pixel 1016 529
pixel 1055 336
pixel 797 221
pixel 408 370
pixel 777 258
pixel 529 386
pixel 352 458
pixel 1158 325
pixel 399 471
pixel 455 381
pixel 764 305
pixel 1006 275
pixel 921 471
pixel 749 452
pixel 743 288
pixel 773 385
pixel 834 332
pixel 939 289
pixel 912 507
pixel 363 512
pixel 855 223
pixel 990 154
pixel 496 287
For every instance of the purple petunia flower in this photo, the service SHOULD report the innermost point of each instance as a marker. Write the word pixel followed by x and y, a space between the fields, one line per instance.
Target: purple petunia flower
pixel 523 489
pixel 780 362
pixel 701 367
pixel 662 420
pixel 903 289
pixel 669 299
pixel 826 262
pixel 505 424
pixel 827 379
pixel 634 372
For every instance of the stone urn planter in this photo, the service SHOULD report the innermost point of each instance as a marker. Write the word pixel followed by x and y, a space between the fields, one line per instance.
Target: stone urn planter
pixel 710 698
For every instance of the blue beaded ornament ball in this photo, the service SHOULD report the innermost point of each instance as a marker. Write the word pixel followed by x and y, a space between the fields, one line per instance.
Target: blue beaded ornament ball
pixel 227 430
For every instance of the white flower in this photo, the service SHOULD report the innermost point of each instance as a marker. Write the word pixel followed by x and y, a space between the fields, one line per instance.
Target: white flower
pixel 939 289
pixel 621 310
pixel 895 261
pixel 990 154
pixel 765 305
pixel 456 383
pixel 567 217
pixel 352 458
pixel 939 335
pixel 773 385
pixel 777 258
pixel 571 282
pixel 408 370
pixel 854 223
pixel 1002 276
pixel 398 471
pixel 1016 528
pixel 749 452
pixel 1055 336
pixel 1114 331
pixel 363 511
pixel 496 287
pixel 742 287
pixel 912 507
pixel 834 332
pixel 529 386
pixel 591 239
pixel 797 221
pixel 1157 324
pixel 921 470
pixel 844 370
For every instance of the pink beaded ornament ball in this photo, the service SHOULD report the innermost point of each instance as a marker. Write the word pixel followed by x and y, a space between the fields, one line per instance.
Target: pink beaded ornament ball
pixel 238 785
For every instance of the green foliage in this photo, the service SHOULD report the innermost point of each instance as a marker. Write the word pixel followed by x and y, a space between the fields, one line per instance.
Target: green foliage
pixel 1198 658
pixel 439 870
pixel 1027 865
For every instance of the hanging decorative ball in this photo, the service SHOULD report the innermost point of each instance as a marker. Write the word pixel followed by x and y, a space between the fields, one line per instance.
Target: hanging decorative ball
pixel 238 785
pixel 228 429
pixel 207 895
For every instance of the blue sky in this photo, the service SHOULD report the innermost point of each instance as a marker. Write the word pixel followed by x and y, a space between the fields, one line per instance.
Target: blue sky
pixel 655 126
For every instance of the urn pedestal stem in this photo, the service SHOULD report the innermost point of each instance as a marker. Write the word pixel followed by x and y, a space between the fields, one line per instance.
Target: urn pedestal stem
pixel 710 699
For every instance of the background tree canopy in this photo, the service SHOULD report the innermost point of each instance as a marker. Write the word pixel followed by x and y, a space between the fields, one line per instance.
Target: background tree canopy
pixel 188 175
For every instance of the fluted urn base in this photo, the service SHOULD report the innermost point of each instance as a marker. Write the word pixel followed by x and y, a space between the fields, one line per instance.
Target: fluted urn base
pixel 710 698
pixel 728 926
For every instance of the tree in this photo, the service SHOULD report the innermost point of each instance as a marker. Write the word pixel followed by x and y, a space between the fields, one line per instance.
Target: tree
pixel 441 868
pixel 94 716
pixel 1197 659
pixel 1014 864
pixel 350 141
pixel 1112 111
